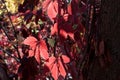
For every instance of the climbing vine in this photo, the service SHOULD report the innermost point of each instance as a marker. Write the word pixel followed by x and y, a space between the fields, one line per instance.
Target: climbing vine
pixel 51 39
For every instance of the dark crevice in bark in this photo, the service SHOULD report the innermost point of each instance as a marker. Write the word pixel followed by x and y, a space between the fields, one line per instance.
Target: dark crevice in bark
pixel 109 27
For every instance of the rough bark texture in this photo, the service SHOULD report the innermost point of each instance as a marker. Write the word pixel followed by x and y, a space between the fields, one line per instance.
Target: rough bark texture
pixel 3 74
pixel 110 29
pixel 3 70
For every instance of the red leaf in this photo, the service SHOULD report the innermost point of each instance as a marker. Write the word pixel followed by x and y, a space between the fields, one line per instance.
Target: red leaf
pixel 51 7
pixel 13 18
pixel 52 67
pixel 43 50
pixel 61 69
pixel 37 48
pixel 50 62
pixel 55 72
pixel 31 52
pixel 65 30
pixel 30 41
pixel 37 54
pixel 54 29
pixel 66 16
pixel 63 33
pixel 70 9
pixel 65 59
pixel 56 66
pixel 45 4
pixel 52 10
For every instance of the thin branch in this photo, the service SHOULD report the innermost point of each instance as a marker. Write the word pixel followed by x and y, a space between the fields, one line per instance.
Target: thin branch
pixel 16 47
pixel 89 21
pixel 10 40
pixel 10 19
pixel 9 54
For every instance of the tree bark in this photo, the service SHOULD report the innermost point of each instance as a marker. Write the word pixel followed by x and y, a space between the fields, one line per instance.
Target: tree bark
pixel 109 27
pixel 3 74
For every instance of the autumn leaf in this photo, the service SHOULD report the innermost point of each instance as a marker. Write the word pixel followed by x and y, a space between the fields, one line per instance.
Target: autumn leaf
pixel 37 48
pixel 65 59
pixel 52 8
pixel 65 30
pixel 56 66
pixel 31 41
pixel 45 4
pixel 54 71
pixel 43 50
pixel 54 29
pixel 51 42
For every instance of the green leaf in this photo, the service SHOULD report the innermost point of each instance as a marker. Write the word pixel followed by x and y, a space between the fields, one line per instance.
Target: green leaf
pixel 75 26
pixel 40 22
pixel 78 49
pixel 35 30
pixel 51 42
pixel 68 1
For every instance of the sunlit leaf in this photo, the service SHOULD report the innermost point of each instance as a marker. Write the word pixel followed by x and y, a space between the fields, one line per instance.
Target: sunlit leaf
pixel 65 59
pixel 37 48
pixel 56 66
pixel 62 69
pixel 40 22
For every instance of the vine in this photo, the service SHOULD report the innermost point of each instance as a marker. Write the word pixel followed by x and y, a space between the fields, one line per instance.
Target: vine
pixel 59 38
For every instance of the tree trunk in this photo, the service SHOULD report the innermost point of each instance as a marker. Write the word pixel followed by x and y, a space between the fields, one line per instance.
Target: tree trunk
pixel 3 70
pixel 109 27
pixel 3 74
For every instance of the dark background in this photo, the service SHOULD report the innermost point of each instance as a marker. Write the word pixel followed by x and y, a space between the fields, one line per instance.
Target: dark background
pixel 109 27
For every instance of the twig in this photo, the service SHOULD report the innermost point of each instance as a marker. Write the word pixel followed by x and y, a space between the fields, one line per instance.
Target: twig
pixel 10 19
pixel 16 47
pixel 89 36
pixel 10 40
pixel 9 54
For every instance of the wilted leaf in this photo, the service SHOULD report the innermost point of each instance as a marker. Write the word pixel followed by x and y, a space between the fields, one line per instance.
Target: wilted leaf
pixel 78 49
pixel 51 42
